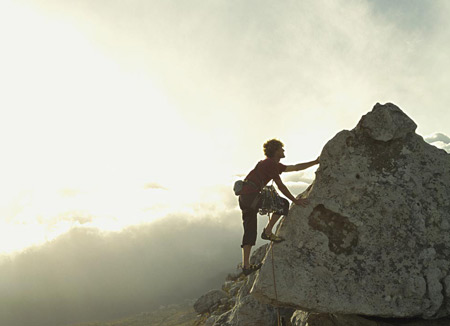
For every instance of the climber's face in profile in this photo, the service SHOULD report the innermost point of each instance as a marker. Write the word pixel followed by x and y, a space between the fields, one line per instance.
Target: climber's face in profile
pixel 279 153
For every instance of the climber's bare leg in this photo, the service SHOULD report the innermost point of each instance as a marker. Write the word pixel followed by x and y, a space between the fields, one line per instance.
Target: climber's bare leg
pixel 272 221
pixel 246 249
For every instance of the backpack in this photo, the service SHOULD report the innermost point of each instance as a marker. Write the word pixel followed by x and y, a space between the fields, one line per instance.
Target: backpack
pixel 237 188
pixel 238 185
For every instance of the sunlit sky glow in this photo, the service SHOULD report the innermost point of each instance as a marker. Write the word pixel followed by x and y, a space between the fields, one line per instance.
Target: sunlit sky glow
pixel 115 114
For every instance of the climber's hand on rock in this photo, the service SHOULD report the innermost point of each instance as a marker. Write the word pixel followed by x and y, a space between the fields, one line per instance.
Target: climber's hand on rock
pixel 301 201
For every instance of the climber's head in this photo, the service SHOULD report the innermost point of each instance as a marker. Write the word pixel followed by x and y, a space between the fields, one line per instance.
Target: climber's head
pixel 273 148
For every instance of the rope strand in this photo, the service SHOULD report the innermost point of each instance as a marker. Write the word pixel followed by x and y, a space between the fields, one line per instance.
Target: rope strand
pixel 275 285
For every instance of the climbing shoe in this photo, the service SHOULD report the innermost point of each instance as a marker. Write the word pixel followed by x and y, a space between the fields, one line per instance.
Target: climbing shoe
pixel 251 269
pixel 271 237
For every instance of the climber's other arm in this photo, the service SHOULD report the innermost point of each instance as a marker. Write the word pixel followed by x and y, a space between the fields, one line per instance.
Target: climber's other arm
pixel 285 191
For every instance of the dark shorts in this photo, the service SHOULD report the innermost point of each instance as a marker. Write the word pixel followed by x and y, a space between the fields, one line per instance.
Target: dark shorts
pixel 249 214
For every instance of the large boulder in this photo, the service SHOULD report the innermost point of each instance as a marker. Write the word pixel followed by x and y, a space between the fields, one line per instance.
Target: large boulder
pixel 375 238
pixel 240 308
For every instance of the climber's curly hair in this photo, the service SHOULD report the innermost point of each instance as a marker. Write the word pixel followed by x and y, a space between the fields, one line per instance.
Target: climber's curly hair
pixel 271 146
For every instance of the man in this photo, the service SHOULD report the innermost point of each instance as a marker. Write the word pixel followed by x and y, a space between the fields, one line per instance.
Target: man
pixel 249 202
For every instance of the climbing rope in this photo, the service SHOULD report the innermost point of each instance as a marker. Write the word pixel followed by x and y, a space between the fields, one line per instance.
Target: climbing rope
pixel 274 279
pixel 275 285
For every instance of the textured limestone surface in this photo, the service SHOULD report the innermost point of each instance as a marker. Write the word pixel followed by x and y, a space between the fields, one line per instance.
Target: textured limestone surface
pixel 375 238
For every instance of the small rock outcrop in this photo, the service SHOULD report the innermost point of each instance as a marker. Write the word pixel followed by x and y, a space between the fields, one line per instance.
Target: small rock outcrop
pixel 210 301
pixel 374 239
pixel 242 309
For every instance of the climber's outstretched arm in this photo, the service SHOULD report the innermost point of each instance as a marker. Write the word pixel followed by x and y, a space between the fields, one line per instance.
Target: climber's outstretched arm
pixel 285 191
pixel 302 166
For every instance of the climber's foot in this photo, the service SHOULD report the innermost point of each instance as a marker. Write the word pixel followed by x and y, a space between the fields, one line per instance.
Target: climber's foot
pixel 271 237
pixel 252 268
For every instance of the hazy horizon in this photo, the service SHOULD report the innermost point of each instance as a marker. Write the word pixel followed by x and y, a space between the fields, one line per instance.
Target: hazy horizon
pixel 122 119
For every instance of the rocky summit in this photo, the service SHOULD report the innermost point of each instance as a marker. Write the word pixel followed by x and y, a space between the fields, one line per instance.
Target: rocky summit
pixel 375 237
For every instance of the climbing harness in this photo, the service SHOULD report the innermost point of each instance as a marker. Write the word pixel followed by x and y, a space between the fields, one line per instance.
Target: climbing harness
pixel 270 201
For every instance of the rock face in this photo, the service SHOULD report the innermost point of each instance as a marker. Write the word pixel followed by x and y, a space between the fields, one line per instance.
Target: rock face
pixel 302 318
pixel 209 301
pixel 247 310
pixel 242 309
pixel 374 239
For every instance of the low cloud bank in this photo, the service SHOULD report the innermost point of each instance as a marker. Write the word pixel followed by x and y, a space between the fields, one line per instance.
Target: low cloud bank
pixel 437 137
pixel 91 275
pixel 439 140
pixel 87 275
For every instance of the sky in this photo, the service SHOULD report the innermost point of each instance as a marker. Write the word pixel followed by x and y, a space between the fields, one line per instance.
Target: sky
pixel 118 115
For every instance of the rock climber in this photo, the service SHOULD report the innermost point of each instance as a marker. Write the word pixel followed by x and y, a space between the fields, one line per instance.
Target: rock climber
pixel 249 201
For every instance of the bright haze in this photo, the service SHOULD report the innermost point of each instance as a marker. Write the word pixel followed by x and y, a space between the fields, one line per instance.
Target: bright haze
pixel 124 124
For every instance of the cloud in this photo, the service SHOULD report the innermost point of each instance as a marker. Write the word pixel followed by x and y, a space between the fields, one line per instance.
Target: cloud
pixel 237 74
pixel 244 72
pixel 302 176
pixel 154 185
pixel 69 192
pixel 73 217
pixel 87 275
pixel 437 137
pixel 439 140
pixel 296 188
